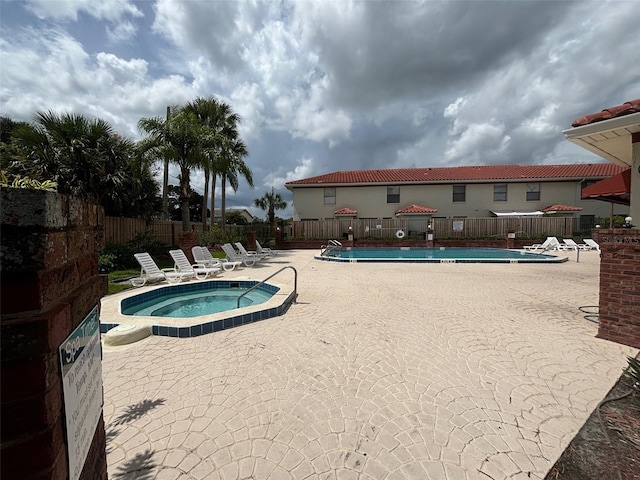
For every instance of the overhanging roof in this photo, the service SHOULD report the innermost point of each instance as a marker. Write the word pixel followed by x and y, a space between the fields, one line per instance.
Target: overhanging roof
pixel 607 133
pixel 614 189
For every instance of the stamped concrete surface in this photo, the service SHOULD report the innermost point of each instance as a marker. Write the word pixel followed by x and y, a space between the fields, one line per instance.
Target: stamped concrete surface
pixel 380 371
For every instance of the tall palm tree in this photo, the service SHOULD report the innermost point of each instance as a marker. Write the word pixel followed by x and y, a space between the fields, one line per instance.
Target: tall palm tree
pixel 183 140
pixel 218 117
pixel 231 165
pixel 271 202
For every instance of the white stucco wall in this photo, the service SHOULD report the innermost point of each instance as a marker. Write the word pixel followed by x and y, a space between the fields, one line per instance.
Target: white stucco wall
pixel 371 201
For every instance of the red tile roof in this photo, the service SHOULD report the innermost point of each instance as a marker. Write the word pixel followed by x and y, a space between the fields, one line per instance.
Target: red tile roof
pixel 626 108
pixel 616 189
pixel 464 174
pixel 346 211
pixel 416 209
pixel 561 208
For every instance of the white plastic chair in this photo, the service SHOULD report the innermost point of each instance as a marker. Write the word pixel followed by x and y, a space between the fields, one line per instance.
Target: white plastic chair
pixel 149 271
pixel 202 255
pixel 199 271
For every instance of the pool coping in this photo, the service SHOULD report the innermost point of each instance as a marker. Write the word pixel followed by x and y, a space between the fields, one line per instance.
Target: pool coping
pixel 546 259
pixel 111 315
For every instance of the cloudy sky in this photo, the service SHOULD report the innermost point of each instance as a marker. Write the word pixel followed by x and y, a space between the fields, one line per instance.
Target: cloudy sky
pixel 323 86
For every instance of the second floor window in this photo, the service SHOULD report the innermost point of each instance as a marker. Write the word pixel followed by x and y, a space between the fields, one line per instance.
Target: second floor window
pixel 393 194
pixel 459 193
pixel 330 196
pixel 533 192
pixel 500 192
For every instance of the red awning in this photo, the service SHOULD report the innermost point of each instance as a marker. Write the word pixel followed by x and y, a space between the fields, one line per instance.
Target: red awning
pixel 616 189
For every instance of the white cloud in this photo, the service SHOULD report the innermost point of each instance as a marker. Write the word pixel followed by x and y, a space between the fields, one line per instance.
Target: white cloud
pixel 303 169
pixel 111 10
pixel 478 144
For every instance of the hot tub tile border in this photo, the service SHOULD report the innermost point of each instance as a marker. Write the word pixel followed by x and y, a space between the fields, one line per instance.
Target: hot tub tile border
pixel 216 325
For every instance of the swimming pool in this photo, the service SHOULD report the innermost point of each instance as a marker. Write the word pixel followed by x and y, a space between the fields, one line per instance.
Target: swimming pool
pixel 173 311
pixel 435 255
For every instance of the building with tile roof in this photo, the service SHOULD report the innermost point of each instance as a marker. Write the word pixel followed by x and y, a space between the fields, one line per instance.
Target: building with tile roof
pixel 614 134
pixel 452 192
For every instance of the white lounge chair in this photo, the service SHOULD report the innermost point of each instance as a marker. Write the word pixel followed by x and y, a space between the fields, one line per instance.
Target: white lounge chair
pixel 592 244
pixel 570 244
pixel 244 251
pixel 551 243
pixel 200 272
pixel 265 250
pixel 202 255
pixel 233 256
pixel 150 272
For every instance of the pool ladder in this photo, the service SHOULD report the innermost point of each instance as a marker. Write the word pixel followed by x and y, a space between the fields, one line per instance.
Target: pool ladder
pixel 295 283
pixel 331 244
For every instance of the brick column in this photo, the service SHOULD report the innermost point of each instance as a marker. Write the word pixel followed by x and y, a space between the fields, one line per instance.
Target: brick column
pixel 49 283
pixel 430 238
pixel 251 240
pixel 619 285
pixel 186 241
pixel 510 238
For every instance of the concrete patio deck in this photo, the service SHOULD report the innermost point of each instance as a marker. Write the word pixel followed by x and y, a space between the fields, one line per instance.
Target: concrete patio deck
pixel 380 371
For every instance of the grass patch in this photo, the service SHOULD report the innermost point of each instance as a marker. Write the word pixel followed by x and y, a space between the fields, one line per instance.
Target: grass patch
pixel 118 280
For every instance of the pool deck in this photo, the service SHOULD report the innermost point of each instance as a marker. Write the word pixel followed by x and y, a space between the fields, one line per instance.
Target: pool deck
pixel 380 371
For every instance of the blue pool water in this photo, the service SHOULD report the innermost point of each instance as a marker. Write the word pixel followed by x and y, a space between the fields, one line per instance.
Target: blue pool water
pixel 435 255
pixel 197 300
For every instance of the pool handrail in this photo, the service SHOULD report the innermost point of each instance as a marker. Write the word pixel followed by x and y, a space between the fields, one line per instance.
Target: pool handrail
pixel 295 284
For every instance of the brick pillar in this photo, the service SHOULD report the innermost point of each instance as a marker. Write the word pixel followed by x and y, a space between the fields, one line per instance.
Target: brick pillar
pixel 430 238
pixel 619 285
pixel 510 238
pixel 49 283
pixel 186 241
pixel 251 240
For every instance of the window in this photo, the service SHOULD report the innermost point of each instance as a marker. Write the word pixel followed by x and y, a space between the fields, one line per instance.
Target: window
pixel 500 192
pixel 459 193
pixel 533 192
pixel 393 194
pixel 330 196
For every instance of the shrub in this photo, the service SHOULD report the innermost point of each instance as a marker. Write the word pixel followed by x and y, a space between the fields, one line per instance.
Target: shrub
pixel 217 236
pixel 116 256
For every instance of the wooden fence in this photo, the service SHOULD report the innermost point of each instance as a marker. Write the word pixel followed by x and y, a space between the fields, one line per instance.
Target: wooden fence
pixel 122 230
pixel 525 227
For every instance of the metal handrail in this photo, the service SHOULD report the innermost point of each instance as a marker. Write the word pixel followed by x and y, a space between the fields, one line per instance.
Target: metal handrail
pixel 295 284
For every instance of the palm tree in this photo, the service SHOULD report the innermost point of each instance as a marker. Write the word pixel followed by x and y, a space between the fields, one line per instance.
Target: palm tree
pixel 218 117
pixel 271 202
pixel 183 140
pixel 231 165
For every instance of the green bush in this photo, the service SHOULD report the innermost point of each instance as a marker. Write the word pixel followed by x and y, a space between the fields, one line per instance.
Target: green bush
pixel 116 256
pixel 217 236
pixel 144 242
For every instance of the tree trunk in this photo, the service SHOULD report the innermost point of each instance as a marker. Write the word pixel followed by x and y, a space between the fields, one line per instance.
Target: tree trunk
pixel 185 194
pixel 204 200
pixel 213 198
pixel 223 202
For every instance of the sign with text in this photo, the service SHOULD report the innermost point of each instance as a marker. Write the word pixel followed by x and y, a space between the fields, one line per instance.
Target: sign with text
pixel 458 225
pixel 81 365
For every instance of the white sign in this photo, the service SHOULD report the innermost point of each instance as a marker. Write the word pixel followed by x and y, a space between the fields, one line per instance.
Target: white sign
pixel 458 225
pixel 81 364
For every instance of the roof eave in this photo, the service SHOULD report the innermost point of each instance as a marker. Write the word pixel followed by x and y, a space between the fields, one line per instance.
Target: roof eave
pixel 578 135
